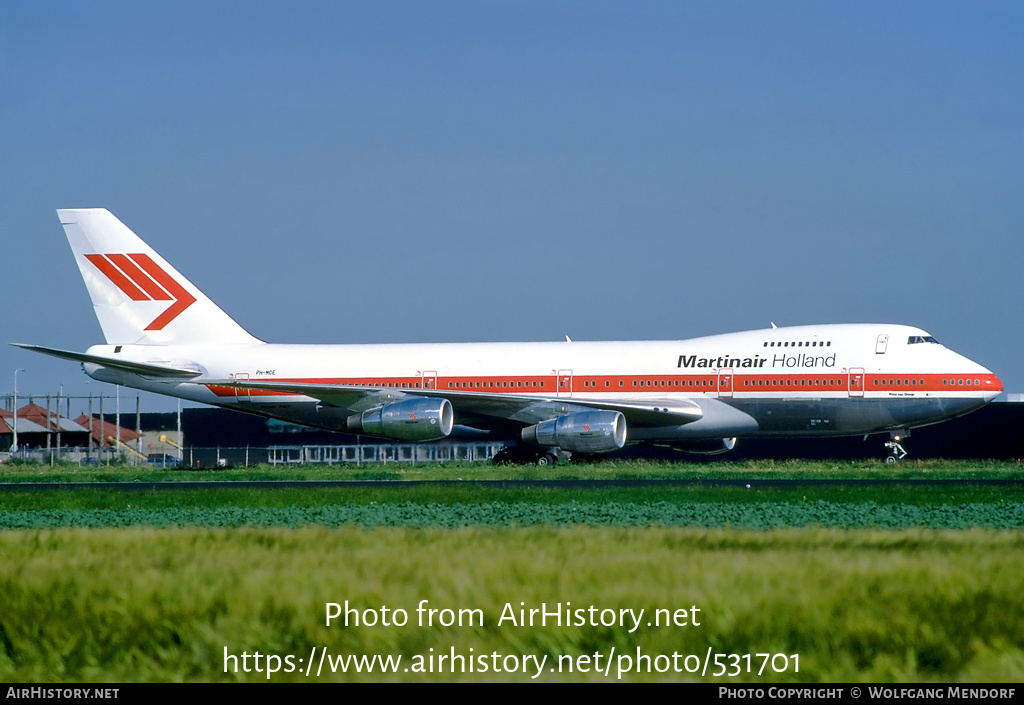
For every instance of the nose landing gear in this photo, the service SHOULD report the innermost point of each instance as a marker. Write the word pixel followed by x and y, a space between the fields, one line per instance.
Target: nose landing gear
pixel 896 450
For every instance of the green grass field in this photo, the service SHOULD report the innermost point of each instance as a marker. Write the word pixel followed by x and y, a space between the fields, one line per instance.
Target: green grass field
pixel 863 582
pixel 604 470
pixel 155 605
pixel 895 505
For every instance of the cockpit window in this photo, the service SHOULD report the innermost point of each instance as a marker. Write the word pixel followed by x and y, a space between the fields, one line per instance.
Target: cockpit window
pixel 921 339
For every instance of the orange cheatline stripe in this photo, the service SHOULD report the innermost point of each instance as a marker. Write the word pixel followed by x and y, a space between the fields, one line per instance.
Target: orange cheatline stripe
pixel 703 384
pixel 139 277
pixel 221 391
pixel 120 280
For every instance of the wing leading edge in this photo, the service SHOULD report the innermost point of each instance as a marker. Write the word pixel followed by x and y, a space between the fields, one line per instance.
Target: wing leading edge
pixel 525 410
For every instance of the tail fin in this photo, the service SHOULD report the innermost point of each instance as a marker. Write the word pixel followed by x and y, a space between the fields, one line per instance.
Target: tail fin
pixel 138 297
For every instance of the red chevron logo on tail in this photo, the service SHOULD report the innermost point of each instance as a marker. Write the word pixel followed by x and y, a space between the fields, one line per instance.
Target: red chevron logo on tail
pixel 141 279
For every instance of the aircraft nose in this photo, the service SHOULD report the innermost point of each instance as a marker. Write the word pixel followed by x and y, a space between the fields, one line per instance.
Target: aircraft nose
pixel 992 385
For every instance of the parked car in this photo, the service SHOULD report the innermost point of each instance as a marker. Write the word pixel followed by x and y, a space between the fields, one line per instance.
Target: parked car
pixel 162 460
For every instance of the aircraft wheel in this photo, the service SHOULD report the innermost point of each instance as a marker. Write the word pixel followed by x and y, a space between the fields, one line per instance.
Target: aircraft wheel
pixel 546 459
pixel 891 460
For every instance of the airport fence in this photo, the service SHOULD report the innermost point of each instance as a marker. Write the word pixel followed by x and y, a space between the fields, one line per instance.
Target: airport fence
pixel 383 453
pixel 245 456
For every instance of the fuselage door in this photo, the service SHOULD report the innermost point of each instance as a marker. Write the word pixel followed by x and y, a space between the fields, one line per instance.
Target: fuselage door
pixel 725 382
pixel 855 383
pixel 242 393
pixel 428 380
pixel 563 383
pixel 881 343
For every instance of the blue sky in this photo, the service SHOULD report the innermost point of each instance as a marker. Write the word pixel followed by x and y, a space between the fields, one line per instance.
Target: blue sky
pixel 458 171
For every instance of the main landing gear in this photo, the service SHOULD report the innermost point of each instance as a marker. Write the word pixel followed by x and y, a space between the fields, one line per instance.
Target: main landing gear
pixel 521 454
pixel 545 459
pixel 896 450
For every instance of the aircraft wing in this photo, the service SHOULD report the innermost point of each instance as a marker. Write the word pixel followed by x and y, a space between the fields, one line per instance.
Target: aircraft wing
pixel 533 409
pixel 351 397
pixel 472 408
pixel 138 368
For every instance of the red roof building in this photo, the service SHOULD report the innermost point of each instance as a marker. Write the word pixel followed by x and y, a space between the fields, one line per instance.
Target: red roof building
pixel 105 430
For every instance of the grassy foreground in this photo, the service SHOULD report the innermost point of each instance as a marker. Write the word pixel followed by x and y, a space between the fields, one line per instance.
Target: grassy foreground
pixel 757 504
pixel 600 470
pixel 167 583
pixel 148 604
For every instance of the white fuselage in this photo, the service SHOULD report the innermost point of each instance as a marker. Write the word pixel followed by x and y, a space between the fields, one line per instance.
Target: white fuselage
pixel 810 380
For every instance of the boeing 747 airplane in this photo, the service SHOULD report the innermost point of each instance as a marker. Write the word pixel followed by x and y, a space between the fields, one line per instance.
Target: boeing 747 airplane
pixel 164 335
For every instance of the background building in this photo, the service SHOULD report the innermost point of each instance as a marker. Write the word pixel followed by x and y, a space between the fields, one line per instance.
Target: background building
pixel 211 437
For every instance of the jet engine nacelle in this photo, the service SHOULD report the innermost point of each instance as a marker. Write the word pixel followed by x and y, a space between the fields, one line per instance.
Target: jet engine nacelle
pixel 584 432
pixel 410 420
pixel 712 446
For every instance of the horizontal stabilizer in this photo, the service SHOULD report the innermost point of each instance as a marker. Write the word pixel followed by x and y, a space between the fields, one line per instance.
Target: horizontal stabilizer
pixel 138 368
